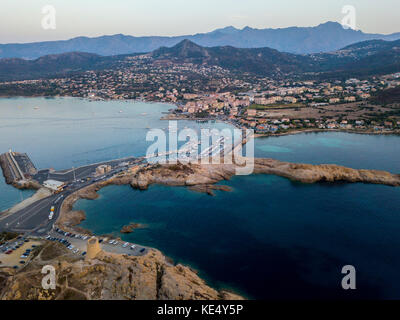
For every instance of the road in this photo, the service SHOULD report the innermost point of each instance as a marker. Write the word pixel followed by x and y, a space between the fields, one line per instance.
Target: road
pixel 78 173
pixel 34 219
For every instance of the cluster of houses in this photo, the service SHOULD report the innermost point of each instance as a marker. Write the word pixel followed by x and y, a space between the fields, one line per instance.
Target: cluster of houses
pixel 264 126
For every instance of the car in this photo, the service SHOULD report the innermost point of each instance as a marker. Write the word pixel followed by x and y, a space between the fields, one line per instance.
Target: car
pixel 125 245
pixel 101 240
pixel 116 243
pixel 111 241
pixel 23 256
pixel 26 240
pixel 143 250
pixel 9 251
pixel 76 251
pixel 133 247
pixel 22 262
pixel 84 253
pixel 15 267
pixel 48 237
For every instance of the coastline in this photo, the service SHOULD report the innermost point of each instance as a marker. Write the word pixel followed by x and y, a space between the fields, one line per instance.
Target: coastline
pixel 202 178
pixel 170 116
pixel 295 132
pixel 69 220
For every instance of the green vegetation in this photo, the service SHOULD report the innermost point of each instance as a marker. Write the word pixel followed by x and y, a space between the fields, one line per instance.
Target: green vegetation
pixel 6 236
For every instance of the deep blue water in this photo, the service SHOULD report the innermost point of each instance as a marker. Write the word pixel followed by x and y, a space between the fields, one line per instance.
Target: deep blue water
pixel 272 238
pixel 269 238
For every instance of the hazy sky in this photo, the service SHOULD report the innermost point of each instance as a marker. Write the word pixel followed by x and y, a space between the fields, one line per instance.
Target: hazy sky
pixel 20 20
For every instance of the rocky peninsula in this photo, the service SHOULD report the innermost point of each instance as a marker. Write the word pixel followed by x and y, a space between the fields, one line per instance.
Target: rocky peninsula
pixel 203 178
pixel 111 276
pixel 208 174
pixel 108 277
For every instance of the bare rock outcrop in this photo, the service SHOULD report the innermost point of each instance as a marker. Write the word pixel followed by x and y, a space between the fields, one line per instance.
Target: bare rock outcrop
pixel 109 277
pixel 209 174
pixel 130 227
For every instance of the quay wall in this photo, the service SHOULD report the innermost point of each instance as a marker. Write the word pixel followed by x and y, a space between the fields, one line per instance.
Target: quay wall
pixel 6 167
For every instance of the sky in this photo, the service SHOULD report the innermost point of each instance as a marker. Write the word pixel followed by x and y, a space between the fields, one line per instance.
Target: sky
pixel 21 20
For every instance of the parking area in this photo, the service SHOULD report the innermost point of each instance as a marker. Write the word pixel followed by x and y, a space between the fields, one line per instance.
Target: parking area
pixel 77 243
pixel 16 254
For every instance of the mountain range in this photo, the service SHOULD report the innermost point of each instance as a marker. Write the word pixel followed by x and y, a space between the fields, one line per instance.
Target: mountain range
pixel 361 59
pixel 326 37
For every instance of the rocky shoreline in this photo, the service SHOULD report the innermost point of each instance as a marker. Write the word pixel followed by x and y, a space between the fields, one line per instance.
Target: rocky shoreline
pixel 153 276
pixel 203 178
pixel 315 130
pixel 107 277
pixel 202 175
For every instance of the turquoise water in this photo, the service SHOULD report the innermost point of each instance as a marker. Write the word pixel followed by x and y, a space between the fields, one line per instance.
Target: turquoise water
pixel 352 150
pixel 66 132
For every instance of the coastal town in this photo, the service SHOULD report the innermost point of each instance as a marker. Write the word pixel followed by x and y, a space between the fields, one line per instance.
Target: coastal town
pixel 269 106
pixel 199 159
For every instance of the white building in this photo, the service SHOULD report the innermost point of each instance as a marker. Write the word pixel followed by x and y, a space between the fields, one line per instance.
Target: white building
pixel 54 185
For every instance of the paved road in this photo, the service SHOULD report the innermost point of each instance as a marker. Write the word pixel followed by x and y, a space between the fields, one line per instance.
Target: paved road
pixel 79 173
pixel 34 219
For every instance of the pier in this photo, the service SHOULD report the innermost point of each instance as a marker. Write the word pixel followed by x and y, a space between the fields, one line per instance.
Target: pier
pixel 17 167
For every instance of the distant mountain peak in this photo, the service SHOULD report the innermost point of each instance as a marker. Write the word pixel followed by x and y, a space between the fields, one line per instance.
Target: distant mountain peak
pixel 184 49
pixel 330 25
pixel 227 30
pixel 187 45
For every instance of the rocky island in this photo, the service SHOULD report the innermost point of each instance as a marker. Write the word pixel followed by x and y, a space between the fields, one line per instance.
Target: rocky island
pixel 129 228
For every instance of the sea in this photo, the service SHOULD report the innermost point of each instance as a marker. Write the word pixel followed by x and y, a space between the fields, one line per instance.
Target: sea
pixel 269 238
